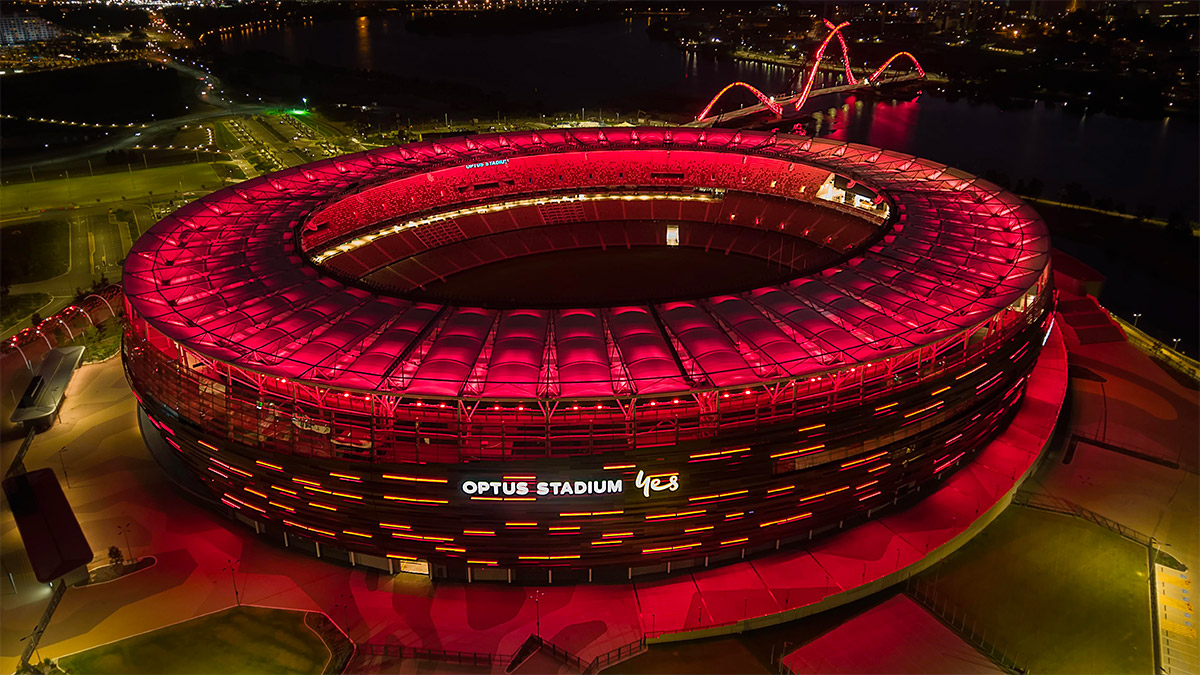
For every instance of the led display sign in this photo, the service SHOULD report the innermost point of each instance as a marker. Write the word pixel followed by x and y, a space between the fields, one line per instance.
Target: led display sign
pixel 646 484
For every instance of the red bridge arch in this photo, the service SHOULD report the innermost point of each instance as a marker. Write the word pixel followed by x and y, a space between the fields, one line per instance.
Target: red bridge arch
pixel 766 100
pixel 776 108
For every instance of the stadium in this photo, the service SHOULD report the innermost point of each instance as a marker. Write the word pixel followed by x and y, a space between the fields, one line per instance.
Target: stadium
pixel 403 359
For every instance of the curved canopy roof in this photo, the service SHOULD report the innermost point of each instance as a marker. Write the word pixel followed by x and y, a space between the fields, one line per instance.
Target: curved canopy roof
pixel 225 277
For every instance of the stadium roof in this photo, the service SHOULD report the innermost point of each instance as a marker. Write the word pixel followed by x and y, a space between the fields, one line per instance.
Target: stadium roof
pixel 226 277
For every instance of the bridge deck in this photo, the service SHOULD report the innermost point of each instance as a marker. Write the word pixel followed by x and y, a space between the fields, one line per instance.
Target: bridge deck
pixel 791 98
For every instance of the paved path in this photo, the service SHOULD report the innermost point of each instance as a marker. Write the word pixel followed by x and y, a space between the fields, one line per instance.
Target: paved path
pixel 1177 621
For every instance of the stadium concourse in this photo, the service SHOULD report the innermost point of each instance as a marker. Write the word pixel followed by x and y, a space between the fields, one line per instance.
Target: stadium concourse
pixel 285 341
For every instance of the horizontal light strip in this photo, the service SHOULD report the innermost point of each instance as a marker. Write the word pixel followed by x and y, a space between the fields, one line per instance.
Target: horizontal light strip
pixel 970 371
pixel 720 452
pixel 677 514
pixel 799 451
pixel 864 460
pixel 721 495
pixel 786 520
pixel 414 500
pixel 420 537
pixel 823 494
pixel 665 549
pixel 364 239
pixel 925 409
pixel 415 479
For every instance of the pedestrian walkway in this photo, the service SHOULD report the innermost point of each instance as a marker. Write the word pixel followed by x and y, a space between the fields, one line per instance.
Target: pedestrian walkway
pixel 1176 622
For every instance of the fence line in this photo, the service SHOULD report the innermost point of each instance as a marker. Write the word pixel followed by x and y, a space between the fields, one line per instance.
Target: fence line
pixel 614 655
pixel 534 643
pixel 488 659
pixel 1154 347
pixel 1059 505
pixel 926 595
pixel 446 655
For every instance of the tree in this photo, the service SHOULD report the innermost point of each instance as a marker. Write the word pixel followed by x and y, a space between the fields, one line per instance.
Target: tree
pixel 115 557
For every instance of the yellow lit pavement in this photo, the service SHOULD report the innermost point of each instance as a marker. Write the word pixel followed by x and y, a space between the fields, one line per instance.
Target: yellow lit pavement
pixel 1176 621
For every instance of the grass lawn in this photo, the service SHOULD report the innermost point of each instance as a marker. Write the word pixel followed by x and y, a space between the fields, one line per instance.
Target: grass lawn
pixel 230 171
pixel 225 138
pixel 1060 594
pixel 34 251
pixel 192 136
pixel 239 640
pixel 162 181
pixel 15 308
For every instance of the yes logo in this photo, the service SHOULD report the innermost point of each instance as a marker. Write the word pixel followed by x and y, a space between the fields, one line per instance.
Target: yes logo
pixel 655 483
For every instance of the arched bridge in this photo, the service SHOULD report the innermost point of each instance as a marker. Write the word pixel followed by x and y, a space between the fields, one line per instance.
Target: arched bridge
pixel 776 104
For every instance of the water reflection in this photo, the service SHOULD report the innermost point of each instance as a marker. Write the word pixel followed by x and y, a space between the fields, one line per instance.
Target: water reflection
pixel 616 66
pixel 363 32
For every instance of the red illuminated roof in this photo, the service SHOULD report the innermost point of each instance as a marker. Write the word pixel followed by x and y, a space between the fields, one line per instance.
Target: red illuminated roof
pixel 228 276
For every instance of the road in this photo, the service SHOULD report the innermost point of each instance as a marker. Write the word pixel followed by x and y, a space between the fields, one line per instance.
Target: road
pixel 209 92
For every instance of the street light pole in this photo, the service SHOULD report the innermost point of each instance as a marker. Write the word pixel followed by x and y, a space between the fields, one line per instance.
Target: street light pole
pixel 1175 346
pixel 537 613
pixel 124 529
pixel 1136 316
pixel 232 567
pixel 64 465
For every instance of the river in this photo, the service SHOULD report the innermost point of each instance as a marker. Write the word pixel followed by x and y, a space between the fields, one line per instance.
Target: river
pixel 616 67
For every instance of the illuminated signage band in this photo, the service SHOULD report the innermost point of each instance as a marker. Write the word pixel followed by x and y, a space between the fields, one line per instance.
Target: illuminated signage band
pixel 494 162
pixel 520 488
pixel 668 482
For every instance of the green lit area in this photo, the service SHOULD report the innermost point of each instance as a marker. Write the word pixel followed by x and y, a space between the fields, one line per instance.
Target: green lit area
pixel 238 640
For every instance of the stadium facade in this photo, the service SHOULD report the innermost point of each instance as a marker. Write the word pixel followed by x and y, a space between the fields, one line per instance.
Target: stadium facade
pixel 287 340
